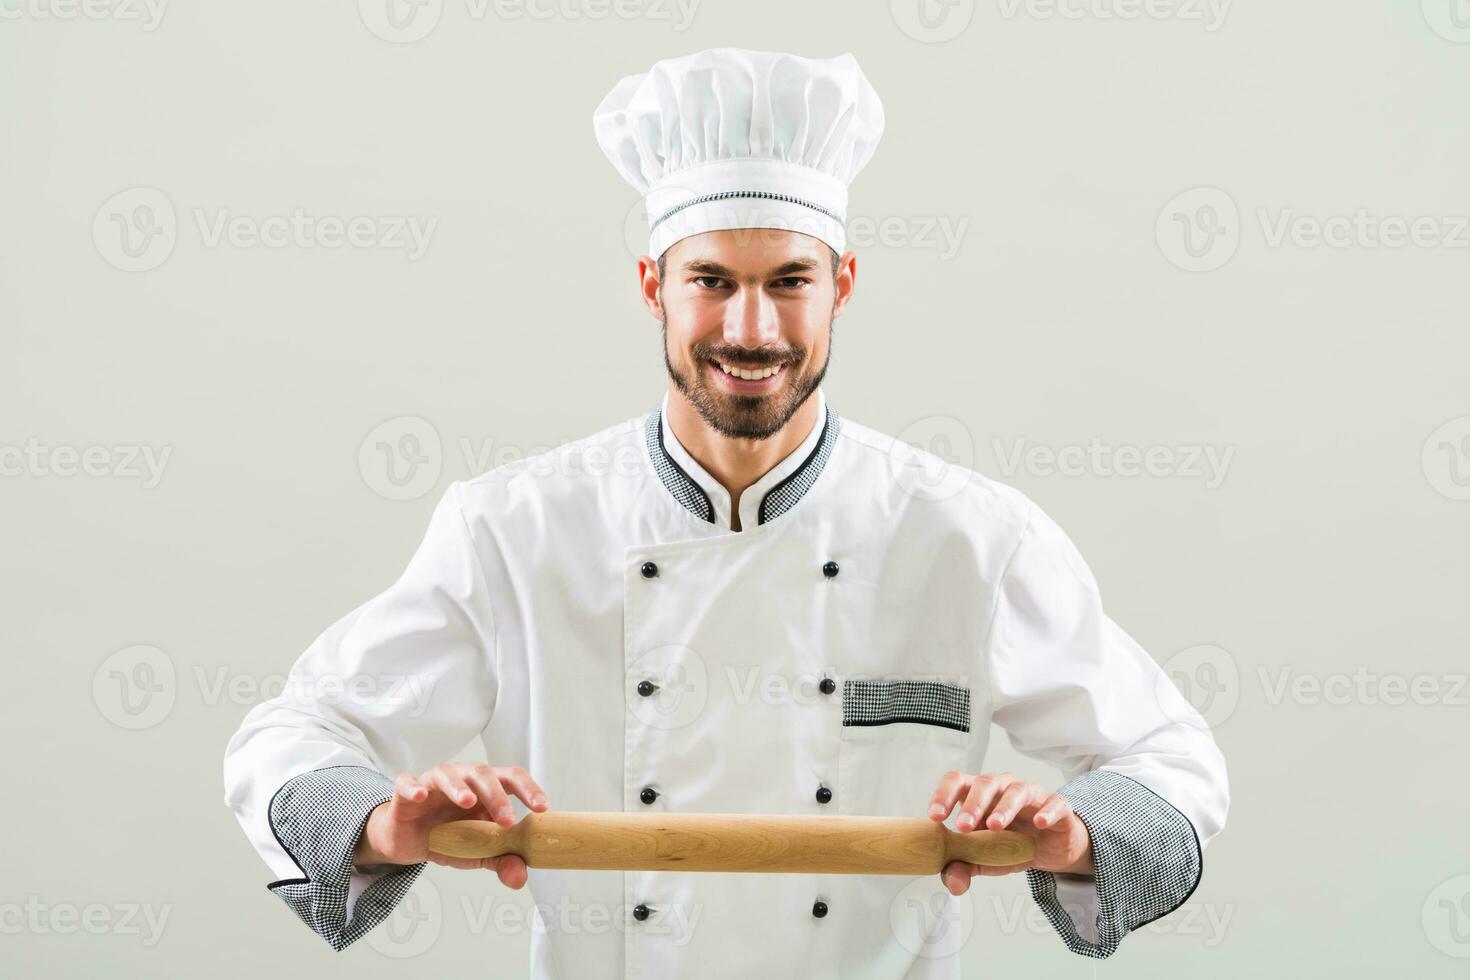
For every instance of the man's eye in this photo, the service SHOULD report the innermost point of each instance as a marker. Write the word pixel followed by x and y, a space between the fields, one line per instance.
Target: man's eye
pixel 712 281
pixel 791 282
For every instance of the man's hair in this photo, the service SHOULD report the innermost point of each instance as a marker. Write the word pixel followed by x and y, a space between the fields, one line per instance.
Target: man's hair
pixel 836 260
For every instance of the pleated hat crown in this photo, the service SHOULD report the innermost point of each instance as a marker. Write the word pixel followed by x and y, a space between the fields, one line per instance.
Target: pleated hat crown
pixel 732 138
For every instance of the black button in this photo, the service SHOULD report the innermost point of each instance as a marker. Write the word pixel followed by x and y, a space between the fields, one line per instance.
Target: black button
pixel 640 911
pixel 827 686
pixel 649 569
pixel 824 795
pixel 646 688
pixel 819 909
pixel 648 795
pixel 829 569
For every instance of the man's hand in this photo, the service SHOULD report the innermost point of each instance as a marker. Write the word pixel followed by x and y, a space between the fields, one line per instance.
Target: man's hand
pixel 1004 801
pixel 397 832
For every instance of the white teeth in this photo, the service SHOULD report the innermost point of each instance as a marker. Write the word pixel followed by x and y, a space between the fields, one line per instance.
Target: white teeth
pixel 749 375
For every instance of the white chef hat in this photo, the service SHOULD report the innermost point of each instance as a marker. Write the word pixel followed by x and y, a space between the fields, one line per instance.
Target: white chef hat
pixel 730 138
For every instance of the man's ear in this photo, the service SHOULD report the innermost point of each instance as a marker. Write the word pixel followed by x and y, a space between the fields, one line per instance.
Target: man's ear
pixel 845 283
pixel 650 286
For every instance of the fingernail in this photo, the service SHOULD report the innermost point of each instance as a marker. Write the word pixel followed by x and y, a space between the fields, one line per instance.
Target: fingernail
pixel 936 809
pixel 538 801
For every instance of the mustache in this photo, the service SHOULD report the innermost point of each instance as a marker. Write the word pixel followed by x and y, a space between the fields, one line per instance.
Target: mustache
pixel 760 357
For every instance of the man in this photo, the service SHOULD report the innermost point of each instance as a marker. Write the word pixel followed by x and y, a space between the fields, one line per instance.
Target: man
pixel 740 602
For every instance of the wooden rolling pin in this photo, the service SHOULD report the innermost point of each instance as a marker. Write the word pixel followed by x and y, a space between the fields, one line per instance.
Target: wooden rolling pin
pixel 731 842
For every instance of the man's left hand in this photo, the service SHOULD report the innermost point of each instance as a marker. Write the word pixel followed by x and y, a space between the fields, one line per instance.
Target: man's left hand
pixel 1004 801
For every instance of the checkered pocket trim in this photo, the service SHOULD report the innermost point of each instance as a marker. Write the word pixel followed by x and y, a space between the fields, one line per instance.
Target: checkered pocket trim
pixel 868 703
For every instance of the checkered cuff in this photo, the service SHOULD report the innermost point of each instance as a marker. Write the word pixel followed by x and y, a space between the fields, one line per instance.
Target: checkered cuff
pixel 318 818
pixel 1147 861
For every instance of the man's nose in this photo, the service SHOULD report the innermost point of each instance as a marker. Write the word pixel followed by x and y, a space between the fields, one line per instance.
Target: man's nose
pixel 750 319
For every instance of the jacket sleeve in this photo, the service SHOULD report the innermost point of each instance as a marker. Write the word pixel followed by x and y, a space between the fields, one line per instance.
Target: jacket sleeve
pixel 400 684
pixel 1142 769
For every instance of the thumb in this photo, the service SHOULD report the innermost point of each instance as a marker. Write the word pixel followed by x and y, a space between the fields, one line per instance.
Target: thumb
pixel 512 870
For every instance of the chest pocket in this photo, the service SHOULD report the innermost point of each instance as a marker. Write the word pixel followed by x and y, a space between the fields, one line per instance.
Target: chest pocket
pixel 898 738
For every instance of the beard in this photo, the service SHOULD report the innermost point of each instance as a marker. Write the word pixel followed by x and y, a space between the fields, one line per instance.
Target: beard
pixel 748 416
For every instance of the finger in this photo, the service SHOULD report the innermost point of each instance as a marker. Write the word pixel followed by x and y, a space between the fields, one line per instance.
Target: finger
pixel 952 788
pixel 1016 796
pixel 408 789
pixel 463 864
pixel 519 782
pixel 956 876
pixel 982 794
pixel 511 869
pixel 1053 811
pixel 993 871
pixel 452 786
pixel 482 780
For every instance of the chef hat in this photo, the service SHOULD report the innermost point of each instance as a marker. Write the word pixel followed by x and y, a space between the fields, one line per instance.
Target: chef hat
pixel 730 138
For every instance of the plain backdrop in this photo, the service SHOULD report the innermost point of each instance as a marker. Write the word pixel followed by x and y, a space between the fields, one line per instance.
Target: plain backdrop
pixel 1193 276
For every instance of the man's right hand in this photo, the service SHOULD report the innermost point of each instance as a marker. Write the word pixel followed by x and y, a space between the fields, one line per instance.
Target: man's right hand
pixel 397 831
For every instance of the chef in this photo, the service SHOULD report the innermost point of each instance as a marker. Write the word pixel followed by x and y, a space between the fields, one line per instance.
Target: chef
pixel 739 602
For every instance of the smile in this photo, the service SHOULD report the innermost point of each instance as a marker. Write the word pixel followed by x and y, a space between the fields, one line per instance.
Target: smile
pixel 758 380
pixel 750 374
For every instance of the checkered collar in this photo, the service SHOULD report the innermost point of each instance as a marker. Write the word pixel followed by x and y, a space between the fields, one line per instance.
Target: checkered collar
pixel 776 492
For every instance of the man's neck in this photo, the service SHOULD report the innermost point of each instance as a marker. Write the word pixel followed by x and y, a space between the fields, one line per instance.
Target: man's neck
pixel 736 463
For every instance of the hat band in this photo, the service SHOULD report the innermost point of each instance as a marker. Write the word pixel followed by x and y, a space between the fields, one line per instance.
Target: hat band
pixel 762 195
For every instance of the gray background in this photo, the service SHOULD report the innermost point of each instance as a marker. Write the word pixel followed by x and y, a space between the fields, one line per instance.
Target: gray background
pixel 1070 150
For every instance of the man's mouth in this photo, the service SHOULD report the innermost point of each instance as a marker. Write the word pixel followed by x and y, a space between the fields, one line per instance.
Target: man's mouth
pixel 758 373
pixel 747 379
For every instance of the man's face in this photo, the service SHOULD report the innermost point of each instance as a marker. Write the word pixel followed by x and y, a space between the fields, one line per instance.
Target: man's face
pixel 747 316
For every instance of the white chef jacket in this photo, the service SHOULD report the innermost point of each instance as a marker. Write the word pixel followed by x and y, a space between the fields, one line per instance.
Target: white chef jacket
pixel 591 616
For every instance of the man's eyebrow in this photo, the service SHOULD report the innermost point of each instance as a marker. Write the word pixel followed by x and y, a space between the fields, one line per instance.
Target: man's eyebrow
pixel 707 267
